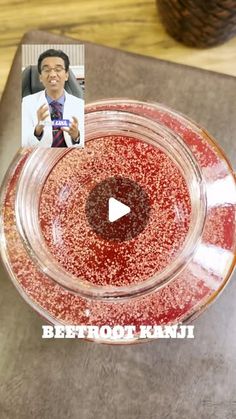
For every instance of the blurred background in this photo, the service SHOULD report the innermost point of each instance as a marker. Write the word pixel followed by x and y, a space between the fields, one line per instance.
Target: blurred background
pixel 130 25
pixel 192 379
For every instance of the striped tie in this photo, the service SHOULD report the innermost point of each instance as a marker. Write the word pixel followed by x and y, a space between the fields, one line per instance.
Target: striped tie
pixel 58 135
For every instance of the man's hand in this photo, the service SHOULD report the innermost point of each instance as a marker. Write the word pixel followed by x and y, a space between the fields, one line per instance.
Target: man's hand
pixel 73 131
pixel 42 114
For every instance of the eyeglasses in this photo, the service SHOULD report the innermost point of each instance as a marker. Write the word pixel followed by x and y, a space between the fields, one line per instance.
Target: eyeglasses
pixel 47 70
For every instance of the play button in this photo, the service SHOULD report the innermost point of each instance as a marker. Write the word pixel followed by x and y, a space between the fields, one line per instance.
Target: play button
pixel 118 209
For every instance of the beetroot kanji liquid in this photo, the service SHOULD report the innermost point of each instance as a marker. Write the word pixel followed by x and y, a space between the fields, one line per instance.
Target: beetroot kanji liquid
pixel 72 242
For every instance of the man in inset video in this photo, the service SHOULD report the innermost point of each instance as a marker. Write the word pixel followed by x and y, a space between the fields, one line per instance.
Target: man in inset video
pixel 52 117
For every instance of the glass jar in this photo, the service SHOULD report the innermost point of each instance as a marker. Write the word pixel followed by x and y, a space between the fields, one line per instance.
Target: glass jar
pixel 168 273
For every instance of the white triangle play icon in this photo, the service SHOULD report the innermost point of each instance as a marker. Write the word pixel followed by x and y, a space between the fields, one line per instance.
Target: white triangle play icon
pixel 116 210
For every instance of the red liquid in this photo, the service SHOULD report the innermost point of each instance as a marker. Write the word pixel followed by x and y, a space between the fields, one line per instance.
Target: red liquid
pixel 70 238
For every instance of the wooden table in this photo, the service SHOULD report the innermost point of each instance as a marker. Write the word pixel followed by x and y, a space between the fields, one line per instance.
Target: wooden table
pixel 67 379
pixel 131 25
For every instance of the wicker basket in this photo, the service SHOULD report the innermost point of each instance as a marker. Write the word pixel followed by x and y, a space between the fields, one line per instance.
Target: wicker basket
pixel 200 23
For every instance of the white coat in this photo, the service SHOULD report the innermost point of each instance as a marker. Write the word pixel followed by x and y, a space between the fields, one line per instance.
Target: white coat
pixel 73 106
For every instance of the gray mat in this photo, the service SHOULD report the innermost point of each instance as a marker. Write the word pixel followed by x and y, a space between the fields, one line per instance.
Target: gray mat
pixel 162 379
